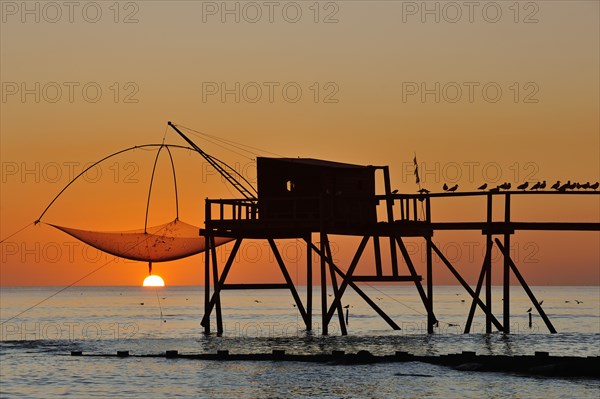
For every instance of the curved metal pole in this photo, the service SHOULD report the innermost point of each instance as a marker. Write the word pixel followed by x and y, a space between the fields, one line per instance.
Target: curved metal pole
pixel 102 160
pixel 150 188
pixel 175 183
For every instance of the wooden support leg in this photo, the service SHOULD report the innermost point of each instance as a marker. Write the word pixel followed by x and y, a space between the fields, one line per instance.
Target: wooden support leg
pixel 213 299
pixel 526 288
pixel 506 277
pixel 346 277
pixel 215 285
pixel 418 285
pixel 207 308
pixel 484 268
pixel 309 287
pixel 288 280
pixel 349 273
pixel 465 285
pixel 324 319
pixel 334 285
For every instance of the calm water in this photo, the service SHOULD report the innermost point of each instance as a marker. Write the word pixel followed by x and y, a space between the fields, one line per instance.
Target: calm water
pixel 35 361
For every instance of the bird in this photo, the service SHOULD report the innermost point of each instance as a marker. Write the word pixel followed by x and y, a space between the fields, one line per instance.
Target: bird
pixel 142 303
pixel 504 186
pixel 452 325
pixel 482 187
pixel 164 297
pixel 445 187
pixel 578 301
pixel 378 298
pixel 423 191
pixel 395 191
pixel 567 301
pixel 293 304
pixel 536 186
pixel 594 186
pixel 529 310
pixel 556 185
pixel 523 186
pixel 494 190
pixel 585 185
pixel 543 185
pixel 565 186
pixel 541 302
pixel 257 301
pixel 347 306
pixel 453 188
pixel 462 300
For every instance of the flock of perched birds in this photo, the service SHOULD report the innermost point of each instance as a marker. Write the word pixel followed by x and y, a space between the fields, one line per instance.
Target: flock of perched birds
pixel 535 187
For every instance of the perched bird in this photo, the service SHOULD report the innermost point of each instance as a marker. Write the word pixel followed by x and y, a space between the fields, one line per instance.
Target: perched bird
pixel 494 190
pixel 142 303
pixel 567 301
pixel 523 186
pixel 585 185
pixel 541 302
pixel 578 302
pixel 504 186
pixel 395 191
pixel 594 186
pixel 462 300
pixel 565 186
pixel 346 307
pixel 445 187
pixel 453 188
pixel 543 185
pixel 556 185
pixel 536 186
pixel 257 301
pixel 423 191
pixel 482 187
pixel 529 310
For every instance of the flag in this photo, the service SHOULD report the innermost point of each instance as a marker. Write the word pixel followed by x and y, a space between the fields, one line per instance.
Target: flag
pixel 416 170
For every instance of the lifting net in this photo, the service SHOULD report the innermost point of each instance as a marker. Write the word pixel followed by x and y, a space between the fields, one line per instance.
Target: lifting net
pixel 169 241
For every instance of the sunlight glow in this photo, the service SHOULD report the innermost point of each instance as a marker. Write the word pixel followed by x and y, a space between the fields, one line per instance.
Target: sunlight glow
pixel 154 281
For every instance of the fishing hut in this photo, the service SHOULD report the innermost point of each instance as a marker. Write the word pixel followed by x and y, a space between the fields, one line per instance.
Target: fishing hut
pixel 310 200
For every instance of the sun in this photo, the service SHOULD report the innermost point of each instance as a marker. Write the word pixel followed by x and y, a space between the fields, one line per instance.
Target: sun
pixel 154 281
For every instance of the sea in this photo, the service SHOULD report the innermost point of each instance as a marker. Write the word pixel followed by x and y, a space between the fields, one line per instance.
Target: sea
pixel 36 361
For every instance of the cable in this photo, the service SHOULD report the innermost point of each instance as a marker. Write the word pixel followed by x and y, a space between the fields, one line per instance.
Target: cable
pixel 231 142
pixel 159 307
pixel 17 232
pixel 72 284
pixel 403 304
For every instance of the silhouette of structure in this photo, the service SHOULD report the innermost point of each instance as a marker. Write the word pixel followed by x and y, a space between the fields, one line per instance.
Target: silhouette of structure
pixel 304 199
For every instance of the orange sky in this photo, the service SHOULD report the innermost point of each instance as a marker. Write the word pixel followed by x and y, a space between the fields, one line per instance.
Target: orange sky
pixel 478 96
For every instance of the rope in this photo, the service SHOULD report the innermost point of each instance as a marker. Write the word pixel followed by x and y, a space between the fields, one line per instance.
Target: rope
pixel 69 286
pixel 17 232
pixel 159 307
pixel 230 142
pixel 403 304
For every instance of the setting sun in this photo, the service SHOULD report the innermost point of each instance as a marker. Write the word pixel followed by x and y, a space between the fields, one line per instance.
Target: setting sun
pixel 154 281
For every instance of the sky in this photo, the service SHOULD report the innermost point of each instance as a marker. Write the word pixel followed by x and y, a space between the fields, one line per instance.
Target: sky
pixel 490 92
